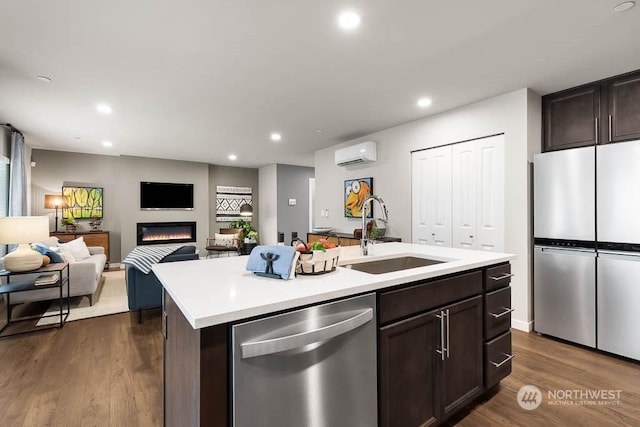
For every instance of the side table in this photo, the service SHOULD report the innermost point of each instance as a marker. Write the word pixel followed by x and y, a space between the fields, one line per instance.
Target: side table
pixel 16 282
pixel 248 247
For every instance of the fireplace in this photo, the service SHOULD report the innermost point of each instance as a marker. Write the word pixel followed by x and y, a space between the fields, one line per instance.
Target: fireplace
pixel 156 233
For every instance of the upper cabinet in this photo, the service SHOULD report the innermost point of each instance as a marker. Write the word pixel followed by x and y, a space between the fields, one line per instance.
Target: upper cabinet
pixel 624 108
pixel 571 118
pixel 597 113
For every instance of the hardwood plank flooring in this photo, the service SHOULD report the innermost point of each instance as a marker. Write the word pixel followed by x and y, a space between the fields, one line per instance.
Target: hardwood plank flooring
pixel 107 371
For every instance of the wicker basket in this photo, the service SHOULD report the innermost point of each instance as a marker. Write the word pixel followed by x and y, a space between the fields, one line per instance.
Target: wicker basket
pixel 318 262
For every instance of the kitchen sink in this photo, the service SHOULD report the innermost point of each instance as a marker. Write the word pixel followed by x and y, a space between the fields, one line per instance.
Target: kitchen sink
pixel 382 266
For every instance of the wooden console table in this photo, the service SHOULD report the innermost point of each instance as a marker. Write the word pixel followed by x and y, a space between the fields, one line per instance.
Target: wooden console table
pixel 91 238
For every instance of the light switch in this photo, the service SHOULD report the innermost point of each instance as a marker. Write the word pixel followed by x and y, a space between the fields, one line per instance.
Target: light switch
pixel 292 202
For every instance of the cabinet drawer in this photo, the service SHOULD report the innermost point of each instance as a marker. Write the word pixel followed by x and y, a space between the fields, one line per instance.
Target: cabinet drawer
pixel 497 359
pixel 415 299
pixel 497 277
pixel 497 312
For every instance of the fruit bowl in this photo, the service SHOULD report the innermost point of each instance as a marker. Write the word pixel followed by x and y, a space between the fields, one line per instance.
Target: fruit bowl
pixel 317 258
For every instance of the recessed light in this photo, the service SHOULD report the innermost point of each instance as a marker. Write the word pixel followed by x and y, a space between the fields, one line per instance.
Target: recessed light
pixel 104 108
pixel 622 7
pixel 44 79
pixel 232 157
pixel 107 144
pixel 349 20
pixel 424 102
pixel 276 136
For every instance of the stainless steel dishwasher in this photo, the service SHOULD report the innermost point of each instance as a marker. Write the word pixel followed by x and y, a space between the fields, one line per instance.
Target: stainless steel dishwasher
pixel 312 367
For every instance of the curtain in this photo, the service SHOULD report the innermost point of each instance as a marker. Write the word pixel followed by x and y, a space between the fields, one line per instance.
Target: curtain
pixel 17 177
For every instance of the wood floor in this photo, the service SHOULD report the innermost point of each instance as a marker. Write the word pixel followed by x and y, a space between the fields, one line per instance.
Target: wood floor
pixel 107 371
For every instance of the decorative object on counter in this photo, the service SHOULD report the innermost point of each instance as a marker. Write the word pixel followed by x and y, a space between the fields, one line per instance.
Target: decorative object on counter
pixel 53 201
pixel 319 257
pixel 70 224
pixel 356 191
pixel 95 224
pixel 277 262
pixel 322 229
pixel 82 202
pixel 21 230
pixel 230 200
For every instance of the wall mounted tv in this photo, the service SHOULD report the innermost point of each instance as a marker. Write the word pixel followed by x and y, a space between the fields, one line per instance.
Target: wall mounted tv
pixel 166 195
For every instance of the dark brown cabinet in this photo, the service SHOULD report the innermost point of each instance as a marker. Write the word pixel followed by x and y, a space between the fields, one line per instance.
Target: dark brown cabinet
pixel 571 118
pixel 598 113
pixel 431 364
pixel 624 108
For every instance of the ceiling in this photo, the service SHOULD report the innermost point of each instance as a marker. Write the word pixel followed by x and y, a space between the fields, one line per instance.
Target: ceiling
pixel 201 79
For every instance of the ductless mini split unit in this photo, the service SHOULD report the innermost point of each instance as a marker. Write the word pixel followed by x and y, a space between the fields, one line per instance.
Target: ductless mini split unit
pixel 363 152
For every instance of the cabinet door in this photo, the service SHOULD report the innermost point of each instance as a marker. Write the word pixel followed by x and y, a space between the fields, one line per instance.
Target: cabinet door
pixel 571 118
pixel 624 108
pixel 460 379
pixel 407 371
pixel 431 188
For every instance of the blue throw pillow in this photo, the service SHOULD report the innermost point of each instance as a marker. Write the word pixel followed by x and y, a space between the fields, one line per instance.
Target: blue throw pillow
pixel 54 257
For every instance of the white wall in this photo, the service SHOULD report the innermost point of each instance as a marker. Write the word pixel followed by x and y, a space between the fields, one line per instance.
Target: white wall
pixel 516 114
pixel 268 199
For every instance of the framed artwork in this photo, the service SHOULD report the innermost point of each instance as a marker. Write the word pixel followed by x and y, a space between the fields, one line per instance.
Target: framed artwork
pixel 82 202
pixel 229 200
pixel 355 193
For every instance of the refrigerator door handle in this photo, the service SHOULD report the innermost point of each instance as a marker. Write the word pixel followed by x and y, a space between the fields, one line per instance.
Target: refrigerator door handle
pixel 627 256
pixel 574 251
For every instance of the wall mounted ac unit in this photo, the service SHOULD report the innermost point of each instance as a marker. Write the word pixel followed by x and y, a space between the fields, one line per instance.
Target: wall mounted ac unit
pixel 363 152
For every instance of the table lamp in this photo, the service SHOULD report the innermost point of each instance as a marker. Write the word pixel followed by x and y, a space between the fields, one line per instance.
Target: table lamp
pixel 53 201
pixel 22 230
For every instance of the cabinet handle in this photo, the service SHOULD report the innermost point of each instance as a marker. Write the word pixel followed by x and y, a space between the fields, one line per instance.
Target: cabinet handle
pixel 504 276
pixel 164 325
pixel 497 365
pixel 597 137
pixel 507 310
pixel 448 341
pixel 442 350
pixel 610 126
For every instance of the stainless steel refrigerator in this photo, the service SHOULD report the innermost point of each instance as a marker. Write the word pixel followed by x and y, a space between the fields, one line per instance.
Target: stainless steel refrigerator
pixel 565 245
pixel 618 232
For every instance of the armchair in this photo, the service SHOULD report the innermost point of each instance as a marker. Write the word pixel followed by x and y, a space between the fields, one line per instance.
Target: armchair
pixel 144 290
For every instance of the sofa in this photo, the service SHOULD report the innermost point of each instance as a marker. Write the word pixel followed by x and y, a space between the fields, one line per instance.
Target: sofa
pixel 84 277
pixel 144 290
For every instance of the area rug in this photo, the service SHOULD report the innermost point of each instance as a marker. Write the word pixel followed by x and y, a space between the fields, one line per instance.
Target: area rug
pixel 109 298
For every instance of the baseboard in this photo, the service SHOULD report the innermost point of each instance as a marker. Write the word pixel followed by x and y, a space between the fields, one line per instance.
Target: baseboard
pixel 522 325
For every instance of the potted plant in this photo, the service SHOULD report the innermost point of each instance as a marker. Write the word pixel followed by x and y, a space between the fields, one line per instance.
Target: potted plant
pixel 70 224
pixel 246 228
pixel 251 237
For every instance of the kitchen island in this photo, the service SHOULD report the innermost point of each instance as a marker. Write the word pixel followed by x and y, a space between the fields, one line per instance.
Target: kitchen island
pixel 204 298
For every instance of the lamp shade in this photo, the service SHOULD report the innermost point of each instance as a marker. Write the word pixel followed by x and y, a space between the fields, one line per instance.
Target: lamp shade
pixel 23 229
pixel 246 210
pixel 52 201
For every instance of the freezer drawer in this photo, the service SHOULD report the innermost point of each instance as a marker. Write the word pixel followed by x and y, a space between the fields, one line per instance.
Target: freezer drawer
pixel 311 367
pixel 564 197
pixel 565 294
pixel 618 300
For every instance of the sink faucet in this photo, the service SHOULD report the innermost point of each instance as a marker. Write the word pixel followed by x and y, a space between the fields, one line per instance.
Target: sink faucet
pixel 364 240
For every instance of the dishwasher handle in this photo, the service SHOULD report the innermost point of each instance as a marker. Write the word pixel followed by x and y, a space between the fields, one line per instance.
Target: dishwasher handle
pixel 289 342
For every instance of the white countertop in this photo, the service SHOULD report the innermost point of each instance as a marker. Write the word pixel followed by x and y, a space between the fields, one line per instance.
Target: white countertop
pixel 214 291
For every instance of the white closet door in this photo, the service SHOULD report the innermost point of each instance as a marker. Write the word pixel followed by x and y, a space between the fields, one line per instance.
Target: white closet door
pixel 431 188
pixel 490 198
pixel 464 203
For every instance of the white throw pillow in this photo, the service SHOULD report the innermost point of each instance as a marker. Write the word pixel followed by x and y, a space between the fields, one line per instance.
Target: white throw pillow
pixel 77 248
pixel 225 239
pixel 67 254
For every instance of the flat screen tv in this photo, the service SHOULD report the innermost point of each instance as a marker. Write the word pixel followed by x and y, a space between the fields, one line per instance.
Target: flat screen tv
pixel 166 195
